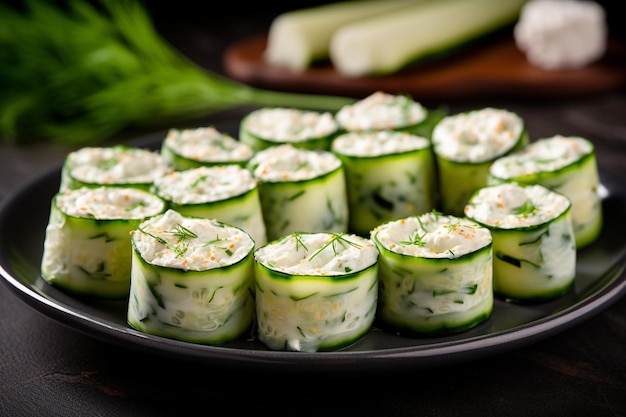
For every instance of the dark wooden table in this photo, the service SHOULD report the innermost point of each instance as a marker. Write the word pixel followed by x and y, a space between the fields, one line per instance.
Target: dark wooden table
pixel 49 369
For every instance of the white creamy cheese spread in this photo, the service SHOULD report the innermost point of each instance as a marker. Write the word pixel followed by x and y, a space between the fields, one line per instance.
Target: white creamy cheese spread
pixel 207 144
pixel 543 155
pixel 205 184
pixel 511 206
pixel 432 235
pixel 375 143
pixel 190 243
pixel 562 34
pixel 381 111
pixel 108 203
pixel 318 254
pixel 116 165
pixel 478 135
pixel 288 163
pixel 289 125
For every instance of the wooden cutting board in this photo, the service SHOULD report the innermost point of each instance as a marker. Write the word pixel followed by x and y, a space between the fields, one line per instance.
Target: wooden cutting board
pixel 493 68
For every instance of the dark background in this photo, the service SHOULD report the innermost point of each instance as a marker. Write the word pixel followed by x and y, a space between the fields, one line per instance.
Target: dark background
pixel 48 369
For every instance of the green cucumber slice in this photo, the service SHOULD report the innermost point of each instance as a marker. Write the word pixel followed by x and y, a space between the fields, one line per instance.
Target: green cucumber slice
pixel 315 291
pixel 533 240
pixel 466 144
pixel 206 146
pixel 435 275
pixel 112 166
pixel 383 111
pixel 227 193
pixel 389 175
pixel 271 126
pixel 187 295
pixel 305 192
pixel 566 164
pixel 88 252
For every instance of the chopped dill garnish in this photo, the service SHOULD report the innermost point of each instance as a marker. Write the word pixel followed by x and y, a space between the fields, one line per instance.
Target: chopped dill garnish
pixel 336 238
pixel 198 180
pixel 155 237
pixel 224 248
pixel 415 239
pixel 183 233
pixel 525 209
pixel 299 242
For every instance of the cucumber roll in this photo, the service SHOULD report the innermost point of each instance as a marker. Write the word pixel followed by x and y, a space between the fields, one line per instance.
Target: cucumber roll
pixel 315 291
pixel 271 126
pixel 117 166
pixel 466 144
pixel 566 164
pixel 389 174
pixel 205 146
pixel 192 279
pixel 227 193
pixel 382 111
pixel 436 274
pixel 301 190
pixel 87 241
pixel 533 239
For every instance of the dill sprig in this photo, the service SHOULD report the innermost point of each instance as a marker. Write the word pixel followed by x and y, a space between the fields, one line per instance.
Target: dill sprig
pixel 525 209
pixel 415 238
pixel 336 238
pixel 217 240
pixel 181 233
pixel 75 73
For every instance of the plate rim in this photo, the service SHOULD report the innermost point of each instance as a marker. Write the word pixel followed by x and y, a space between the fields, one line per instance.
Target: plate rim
pixel 393 359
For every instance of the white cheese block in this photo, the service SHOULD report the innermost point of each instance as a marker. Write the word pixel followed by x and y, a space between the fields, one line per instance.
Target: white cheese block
pixel 562 34
pixel 436 274
pixel 315 291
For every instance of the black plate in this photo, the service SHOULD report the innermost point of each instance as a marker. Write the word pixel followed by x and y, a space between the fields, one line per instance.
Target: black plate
pixel 600 281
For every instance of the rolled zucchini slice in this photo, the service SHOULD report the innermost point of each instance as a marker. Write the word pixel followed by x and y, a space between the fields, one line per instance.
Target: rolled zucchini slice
pixel 566 164
pixel 466 144
pixel 436 275
pixel 301 190
pixel 205 146
pixel 383 111
pixel 271 126
pixel 227 193
pixel 87 247
pixel 114 166
pixel 192 280
pixel 533 240
pixel 315 291
pixel 389 175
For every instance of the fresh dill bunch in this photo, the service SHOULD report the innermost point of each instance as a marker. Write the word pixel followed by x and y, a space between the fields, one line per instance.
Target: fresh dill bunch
pixel 78 72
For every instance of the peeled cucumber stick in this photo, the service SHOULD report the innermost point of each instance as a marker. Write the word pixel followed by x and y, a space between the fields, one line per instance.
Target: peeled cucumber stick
pixel 299 37
pixel 388 42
